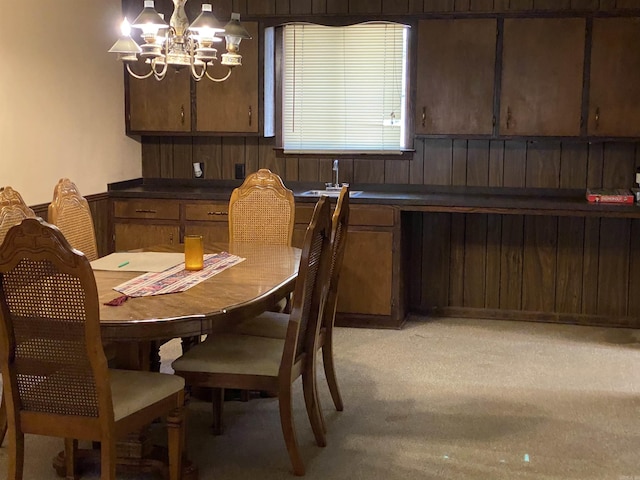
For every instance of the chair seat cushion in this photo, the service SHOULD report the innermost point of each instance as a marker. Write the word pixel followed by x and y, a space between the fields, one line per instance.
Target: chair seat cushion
pixel 233 354
pixel 134 390
pixel 267 324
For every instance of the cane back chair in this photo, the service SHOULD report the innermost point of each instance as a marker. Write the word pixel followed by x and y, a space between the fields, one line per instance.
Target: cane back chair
pixel 262 210
pixel 70 212
pixel 272 324
pixel 247 362
pixel 57 382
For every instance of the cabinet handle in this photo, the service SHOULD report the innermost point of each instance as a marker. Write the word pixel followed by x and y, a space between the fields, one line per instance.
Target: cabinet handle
pixel 597 117
pixel 142 210
pixel 424 116
pixel 171 239
pixel 508 118
pixel 182 114
pixel 250 115
pixel 217 213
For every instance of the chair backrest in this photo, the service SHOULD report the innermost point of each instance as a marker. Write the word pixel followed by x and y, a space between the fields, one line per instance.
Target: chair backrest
pixel 70 212
pixel 51 354
pixel 262 210
pixel 310 288
pixel 339 228
pixel 12 210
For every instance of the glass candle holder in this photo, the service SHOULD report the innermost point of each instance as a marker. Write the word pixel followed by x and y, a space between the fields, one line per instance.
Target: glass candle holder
pixel 193 252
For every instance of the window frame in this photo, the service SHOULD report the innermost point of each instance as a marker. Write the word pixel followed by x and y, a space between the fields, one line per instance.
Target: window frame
pixel 273 88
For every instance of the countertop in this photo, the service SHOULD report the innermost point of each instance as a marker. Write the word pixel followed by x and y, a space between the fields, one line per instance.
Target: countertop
pixel 498 200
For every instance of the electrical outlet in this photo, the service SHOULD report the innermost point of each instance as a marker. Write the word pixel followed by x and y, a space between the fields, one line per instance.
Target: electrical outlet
pixel 239 171
pixel 198 170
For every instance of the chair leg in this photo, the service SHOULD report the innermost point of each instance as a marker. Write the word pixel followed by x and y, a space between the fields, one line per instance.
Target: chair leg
pixel 15 455
pixel 289 431
pixel 217 402
pixel 70 451
pixel 176 437
pixel 330 372
pixel 107 459
pixel 312 404
pixel 3 418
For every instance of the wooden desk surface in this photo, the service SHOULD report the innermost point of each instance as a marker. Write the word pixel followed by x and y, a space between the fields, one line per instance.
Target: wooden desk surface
pixel 246 289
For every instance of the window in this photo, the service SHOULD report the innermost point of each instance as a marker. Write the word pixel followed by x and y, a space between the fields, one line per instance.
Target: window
pixel 344 88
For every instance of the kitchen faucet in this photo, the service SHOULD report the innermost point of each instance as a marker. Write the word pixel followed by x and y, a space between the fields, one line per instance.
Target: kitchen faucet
pixel 336 184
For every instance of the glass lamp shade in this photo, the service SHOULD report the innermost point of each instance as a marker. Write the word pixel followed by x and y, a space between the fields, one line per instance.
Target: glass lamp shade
pixel 234 29
pixel 149 21
pixel 125 46
pixel 206 25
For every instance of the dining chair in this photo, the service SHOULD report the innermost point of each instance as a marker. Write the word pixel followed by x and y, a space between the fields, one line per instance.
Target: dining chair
pixel 231 360
pixel 262 210
pixel 70 212
pixel 274 325
pixel 56 379
pixel 12 210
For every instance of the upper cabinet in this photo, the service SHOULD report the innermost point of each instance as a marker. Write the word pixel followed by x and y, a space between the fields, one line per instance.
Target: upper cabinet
pixel 163 106
pixel 231 106
pixel 455 76
pixel 614 93
pixel 542 76
pixel 227 107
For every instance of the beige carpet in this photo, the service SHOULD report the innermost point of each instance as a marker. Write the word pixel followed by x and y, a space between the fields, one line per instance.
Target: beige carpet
pixel 441 399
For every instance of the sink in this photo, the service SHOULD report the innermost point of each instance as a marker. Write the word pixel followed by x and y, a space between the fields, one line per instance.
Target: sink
pixel 329 193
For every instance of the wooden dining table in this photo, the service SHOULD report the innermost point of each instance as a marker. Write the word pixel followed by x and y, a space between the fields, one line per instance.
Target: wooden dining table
pixel 267 274
pixel 246 289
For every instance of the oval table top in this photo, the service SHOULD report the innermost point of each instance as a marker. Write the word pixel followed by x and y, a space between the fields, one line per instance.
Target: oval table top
pixel 267 274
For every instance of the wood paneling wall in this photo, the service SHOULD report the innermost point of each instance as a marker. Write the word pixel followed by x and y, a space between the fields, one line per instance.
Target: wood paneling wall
pixel 557 268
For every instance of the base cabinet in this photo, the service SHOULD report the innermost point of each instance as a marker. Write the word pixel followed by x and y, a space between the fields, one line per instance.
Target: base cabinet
pixel 368 290
pixel 139 223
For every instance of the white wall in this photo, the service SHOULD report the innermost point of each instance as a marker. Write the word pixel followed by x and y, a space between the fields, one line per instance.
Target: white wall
pixel 62 98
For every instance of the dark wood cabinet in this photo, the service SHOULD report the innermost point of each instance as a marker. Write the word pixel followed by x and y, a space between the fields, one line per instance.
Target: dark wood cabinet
pixel 369 291
pixel 209 219
pixel 455 76
pixel 231 106
pixel 542 76
pixel 159 106
pixel 224 107
pixel 139 223
pixel 614 93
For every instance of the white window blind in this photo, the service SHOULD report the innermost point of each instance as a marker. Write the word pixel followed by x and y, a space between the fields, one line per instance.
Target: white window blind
pixel 344 88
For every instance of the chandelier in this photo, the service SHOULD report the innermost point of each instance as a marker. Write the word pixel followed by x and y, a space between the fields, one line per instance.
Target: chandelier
pixel 179 44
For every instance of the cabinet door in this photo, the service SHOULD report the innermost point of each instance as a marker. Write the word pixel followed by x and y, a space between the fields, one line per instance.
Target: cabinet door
pixel 160 106
pixel 231 106
pixel 130 236
pixel 614 93
pixel 456 65
pixel 365 278
pixel 542 72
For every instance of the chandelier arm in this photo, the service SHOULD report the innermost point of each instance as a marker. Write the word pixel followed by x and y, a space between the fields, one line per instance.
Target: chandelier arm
pixel 139 77
pixel 218 79
pixel 194 73
pixel 161 74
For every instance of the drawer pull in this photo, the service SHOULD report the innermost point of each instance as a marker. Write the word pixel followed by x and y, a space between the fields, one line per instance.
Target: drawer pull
pixel 142 210
pixel 217 213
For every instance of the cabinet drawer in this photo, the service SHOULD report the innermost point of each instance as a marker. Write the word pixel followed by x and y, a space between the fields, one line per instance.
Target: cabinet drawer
pixel 208 212
pixel 380 216
pixel 377 215
pixel 163 209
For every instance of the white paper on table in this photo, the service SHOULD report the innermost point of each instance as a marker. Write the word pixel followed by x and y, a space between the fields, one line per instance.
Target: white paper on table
pixel 138 261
